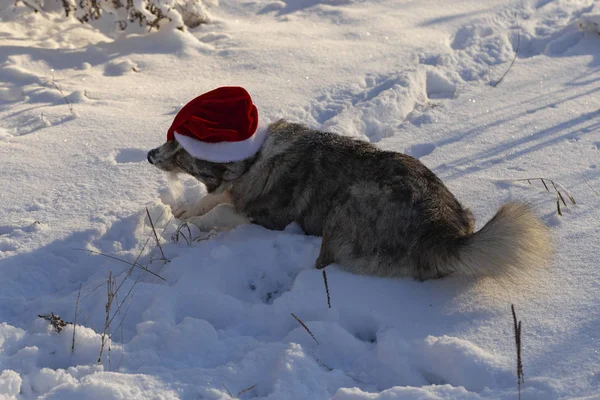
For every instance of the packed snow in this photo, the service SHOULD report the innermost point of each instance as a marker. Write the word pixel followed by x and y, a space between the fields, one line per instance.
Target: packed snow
pixel 209 315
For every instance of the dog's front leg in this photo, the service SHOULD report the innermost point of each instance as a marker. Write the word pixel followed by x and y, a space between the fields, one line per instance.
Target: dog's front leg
pixel 222 217
pixel 325 257
pixel 206 204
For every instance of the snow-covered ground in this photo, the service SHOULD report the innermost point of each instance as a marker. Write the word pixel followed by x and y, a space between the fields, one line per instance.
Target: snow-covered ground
pixel 413 76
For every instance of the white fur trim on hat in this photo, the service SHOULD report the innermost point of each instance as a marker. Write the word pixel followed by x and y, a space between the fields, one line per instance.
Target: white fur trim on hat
pixel 222 152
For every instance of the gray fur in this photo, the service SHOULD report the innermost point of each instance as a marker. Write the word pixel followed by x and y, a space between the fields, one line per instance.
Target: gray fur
pixel 379 212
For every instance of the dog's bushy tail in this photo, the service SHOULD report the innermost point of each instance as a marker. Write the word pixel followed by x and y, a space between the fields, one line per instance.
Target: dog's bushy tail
pixel 509 246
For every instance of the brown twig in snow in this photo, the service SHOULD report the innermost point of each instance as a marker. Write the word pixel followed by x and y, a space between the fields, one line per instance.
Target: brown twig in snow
pixel 110 297
pixel 559 195
pixel 164 258
pixel 517 332
pixel 326 288
pixel 305 327
pixel 515 57
pixel 134 264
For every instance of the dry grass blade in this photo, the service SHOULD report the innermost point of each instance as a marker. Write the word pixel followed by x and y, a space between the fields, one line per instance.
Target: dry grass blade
pixel 515 57
pixel 517 332
pixel 111 284
pixel 228 392
pixel 75 319
pixel 156 237
pixel 305 327
pixel 326 288
pixel 241 392
pixel 57 87
pixel 178 232
pixel 203 238
pixel 559 192
pixel 591 187
pixel 134 264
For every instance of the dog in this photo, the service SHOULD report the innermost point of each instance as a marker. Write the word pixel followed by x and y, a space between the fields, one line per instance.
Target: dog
pixel 378 212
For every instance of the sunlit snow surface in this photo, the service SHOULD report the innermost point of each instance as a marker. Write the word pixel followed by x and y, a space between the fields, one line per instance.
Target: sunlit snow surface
pixel 80 106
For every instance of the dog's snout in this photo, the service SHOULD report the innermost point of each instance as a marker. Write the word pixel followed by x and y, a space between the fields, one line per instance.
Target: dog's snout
pixel 151 155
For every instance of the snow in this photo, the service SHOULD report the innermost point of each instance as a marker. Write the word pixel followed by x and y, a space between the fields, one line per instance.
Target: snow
pixel 80 105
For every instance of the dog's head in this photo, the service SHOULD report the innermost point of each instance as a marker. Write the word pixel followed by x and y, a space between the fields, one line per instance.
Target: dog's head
pixel 171 157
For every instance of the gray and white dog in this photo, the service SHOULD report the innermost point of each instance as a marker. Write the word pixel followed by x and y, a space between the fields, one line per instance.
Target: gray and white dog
pixel 379 212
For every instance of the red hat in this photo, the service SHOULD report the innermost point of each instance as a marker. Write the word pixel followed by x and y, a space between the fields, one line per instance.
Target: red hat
pixel 218 126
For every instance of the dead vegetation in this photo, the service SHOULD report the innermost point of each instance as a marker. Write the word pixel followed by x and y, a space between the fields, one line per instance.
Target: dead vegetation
pixel 560 191
pixel 517 332
pixel 518 47
pixel 56 321
pixel 305 327
pixel 115 306
pixel 326 288
pixel 241 392
pixel 151 14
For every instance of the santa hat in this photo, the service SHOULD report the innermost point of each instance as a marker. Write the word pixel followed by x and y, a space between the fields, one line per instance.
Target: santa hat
pixel 219 126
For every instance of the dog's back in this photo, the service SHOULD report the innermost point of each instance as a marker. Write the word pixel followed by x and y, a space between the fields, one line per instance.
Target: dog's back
pixel 380 213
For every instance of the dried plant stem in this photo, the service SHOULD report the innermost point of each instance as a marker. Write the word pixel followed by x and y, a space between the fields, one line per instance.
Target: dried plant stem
pixel 228 392
pixel 559 192
pixel 75 319
pixel 517 331
pixel 245 390
pixel 134 264
pixel 156 237
pixel 591 187
pixel 326 288
pixel 305 327
pixel 110 297
pixel 57 87
pixel 515 57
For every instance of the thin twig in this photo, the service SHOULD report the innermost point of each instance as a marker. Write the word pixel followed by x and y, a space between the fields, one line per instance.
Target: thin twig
pixel 591 187
pixel 110 297
pixel 135 264
pixel 156 237
pixel 57 87
pixel 516 53
pixel 245 390
pixel 555 186
pixel 517 331
pixel 228 392
pixel 75 319
pixel 326 288
pixel 175 236
pixel 34 8
pixel 305 327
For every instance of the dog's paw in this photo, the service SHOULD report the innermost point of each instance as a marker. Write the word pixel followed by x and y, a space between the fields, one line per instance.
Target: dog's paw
pixel 186 211
pixel 221 218
pixel 206 204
